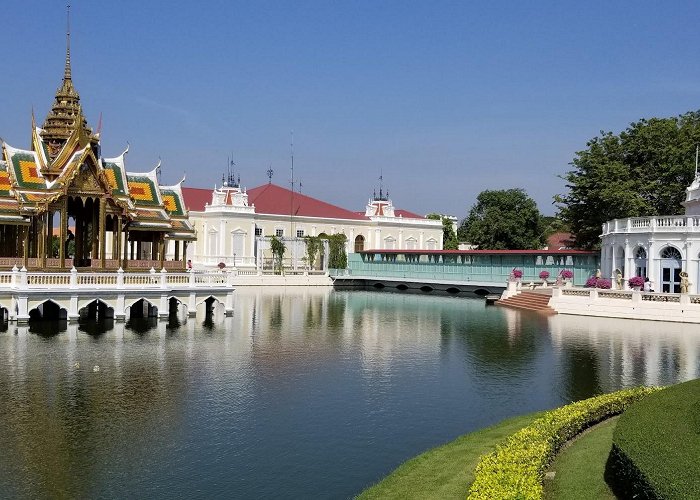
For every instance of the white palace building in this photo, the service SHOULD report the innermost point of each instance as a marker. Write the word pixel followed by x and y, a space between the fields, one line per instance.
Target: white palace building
pixel 657 247
pixel 231 223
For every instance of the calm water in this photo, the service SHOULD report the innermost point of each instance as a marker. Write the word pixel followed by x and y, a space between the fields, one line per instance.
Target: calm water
pixel 302 394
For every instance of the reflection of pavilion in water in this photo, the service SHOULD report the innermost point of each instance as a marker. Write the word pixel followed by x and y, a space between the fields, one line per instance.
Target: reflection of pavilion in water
pixel 628 351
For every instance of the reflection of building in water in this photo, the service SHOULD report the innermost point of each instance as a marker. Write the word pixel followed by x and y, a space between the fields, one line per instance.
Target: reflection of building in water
pixel 628 351
pixel 59 414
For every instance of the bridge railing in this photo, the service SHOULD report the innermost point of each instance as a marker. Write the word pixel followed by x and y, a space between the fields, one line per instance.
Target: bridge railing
pixel 21 279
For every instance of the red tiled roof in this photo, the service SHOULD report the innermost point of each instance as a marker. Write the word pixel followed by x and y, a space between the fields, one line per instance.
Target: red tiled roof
pixel 196 198
pixel 560 240
pixel 274 199
pixel 407 214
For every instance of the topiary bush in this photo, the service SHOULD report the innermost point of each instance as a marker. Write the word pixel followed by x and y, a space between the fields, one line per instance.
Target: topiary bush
pixel 656 446
pixel 517 467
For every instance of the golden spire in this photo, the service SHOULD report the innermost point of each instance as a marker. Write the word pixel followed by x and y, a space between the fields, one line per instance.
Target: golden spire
pixel 66 72
pixel 65 114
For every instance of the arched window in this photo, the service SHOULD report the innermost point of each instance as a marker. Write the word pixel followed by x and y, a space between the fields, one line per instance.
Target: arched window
pixel 359 243
pixel 640 262
pixel 411 244
pixel 670 253
pixel 389 243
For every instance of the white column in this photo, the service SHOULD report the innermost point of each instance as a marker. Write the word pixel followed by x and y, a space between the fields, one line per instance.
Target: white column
pixel 252 239
pixel 351 241
pixel 222 239
pixel 400 245
pixel 651 266
pixel 629 262
pixel 609 272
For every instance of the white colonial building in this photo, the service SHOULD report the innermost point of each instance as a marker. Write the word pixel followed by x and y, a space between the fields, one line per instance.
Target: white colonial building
pixel 657 247
pixel 231 221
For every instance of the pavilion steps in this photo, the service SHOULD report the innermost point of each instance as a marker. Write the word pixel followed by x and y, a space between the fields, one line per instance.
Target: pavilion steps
pixel 530 301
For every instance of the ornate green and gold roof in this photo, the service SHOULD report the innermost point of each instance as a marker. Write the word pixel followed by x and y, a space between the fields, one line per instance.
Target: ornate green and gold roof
pixel 64 161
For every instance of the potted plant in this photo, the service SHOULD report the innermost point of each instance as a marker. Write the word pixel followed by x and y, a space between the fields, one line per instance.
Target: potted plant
pixel 517 274
pixel 636 282
pixel 566 275
pixel 543 276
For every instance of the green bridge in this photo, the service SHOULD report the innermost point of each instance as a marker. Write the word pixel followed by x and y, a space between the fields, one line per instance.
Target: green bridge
pixel 463 270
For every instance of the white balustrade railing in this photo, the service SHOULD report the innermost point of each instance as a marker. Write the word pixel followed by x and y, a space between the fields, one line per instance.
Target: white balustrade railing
pixel 664 223
pixel 21 279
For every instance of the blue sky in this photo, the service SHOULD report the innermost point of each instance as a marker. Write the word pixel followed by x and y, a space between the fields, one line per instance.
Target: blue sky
pixel 445 99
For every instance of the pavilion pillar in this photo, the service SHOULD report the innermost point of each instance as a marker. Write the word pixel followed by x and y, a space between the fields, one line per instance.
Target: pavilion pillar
pixel 103 236
pixel 118 240
pixel 25 237
pixel 41 241
pixel 95 233
pixel 49 234
pixel 125 263
pixel 63 236
pixel 177 251
pixel 161 247
pixel 184 255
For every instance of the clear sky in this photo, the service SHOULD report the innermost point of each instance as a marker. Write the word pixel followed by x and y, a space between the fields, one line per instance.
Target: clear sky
pixel 445 99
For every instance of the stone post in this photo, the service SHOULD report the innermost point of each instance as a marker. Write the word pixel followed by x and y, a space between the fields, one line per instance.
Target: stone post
pixel 23 278
pixel 73 277
pixel 14 277
pixel 163 278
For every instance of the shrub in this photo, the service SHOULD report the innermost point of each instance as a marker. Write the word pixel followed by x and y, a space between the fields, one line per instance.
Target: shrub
pixel 517 467
pixel 544 275
pixel 566 274
pixel 636 281
pixel 656 446
pixel 517 273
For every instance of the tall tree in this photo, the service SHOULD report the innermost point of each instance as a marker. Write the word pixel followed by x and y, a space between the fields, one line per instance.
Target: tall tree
pixel 503 219
pixel 642 171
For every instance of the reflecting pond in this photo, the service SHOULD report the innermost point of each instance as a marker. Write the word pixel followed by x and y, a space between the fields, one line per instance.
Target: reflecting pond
pixel 306 393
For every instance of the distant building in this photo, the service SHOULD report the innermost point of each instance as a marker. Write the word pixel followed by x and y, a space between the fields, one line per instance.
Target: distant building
pixel 229 220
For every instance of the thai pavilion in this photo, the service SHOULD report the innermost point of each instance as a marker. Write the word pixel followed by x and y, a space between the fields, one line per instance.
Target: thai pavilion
pixel 62 204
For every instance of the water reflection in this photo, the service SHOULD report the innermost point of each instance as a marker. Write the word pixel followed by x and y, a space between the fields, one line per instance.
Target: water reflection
pixel 324 391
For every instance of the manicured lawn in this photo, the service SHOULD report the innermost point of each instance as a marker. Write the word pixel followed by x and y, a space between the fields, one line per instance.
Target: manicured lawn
pixel 579 468
pixel 446 471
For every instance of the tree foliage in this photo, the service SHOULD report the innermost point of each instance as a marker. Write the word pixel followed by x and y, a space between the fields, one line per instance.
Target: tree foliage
pixel 278 248
pixel 314 247
pixel 503 219
pixel 642 171
pixel 337 257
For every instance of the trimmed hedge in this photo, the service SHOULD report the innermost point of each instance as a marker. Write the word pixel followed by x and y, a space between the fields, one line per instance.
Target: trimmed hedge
pixel 656 446
pixel 517 467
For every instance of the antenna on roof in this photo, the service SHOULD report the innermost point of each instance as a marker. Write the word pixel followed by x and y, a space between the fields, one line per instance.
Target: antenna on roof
pixel 270 172
pixel 291 201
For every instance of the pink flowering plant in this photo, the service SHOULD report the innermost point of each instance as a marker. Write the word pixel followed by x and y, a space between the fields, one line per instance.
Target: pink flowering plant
pixel 544 275
pixel 566 274
pixel 637 281
pixel 594 282
pixel 517 273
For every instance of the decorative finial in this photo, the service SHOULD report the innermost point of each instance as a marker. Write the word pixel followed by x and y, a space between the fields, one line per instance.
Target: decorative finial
pixel 270 172
pixel 67 72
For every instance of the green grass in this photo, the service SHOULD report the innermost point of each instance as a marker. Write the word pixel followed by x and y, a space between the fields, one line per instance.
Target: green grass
pixel 446 471
pixel 580 467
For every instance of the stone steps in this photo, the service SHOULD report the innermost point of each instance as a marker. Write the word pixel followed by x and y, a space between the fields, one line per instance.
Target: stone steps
pixel 530 301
